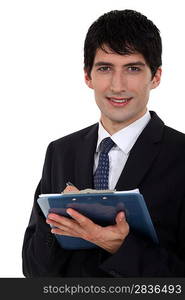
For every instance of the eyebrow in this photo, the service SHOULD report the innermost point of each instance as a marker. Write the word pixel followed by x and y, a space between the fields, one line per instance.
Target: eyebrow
pixel 104 63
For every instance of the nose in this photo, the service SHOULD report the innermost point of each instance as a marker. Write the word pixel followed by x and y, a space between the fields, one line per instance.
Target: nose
pixel 118 82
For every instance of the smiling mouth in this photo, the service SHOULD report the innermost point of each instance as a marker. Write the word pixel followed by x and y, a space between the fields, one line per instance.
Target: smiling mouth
pixel 119 100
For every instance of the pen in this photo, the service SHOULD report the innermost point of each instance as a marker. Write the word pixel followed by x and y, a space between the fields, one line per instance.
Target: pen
pixel 69 183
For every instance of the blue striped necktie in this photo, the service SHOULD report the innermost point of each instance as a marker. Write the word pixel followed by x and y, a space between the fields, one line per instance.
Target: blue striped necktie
pixel 101 176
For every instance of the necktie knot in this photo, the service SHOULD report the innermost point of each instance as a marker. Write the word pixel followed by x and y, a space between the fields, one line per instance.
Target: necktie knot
pixel 106 145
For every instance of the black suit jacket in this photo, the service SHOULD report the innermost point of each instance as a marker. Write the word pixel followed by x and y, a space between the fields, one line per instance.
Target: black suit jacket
pixel 156 165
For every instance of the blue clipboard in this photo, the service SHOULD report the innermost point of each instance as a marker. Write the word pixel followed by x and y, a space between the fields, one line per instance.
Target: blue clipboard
pixel 102 209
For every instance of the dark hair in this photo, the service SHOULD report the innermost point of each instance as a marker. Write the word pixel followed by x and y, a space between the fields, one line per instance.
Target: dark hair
pixel 124 32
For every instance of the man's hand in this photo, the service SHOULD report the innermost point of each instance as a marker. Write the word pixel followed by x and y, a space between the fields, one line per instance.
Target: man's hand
pixel 109 238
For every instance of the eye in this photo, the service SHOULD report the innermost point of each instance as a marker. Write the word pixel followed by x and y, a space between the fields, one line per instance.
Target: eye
pixel 133 69
pixel 104 69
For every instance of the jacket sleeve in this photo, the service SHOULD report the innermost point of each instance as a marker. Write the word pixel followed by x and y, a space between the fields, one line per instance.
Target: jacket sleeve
pixel 41 254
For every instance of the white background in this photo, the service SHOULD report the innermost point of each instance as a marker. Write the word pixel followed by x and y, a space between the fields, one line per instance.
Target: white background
pixel 43 95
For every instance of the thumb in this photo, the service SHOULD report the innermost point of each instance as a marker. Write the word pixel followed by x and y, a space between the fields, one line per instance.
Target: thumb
pixel 121 222
pixel 120 217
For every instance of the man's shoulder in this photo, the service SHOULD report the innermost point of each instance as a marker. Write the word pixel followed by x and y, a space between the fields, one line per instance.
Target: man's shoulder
pixel 172 134
pixel 77 136
pixel 173 142
pixel 162 131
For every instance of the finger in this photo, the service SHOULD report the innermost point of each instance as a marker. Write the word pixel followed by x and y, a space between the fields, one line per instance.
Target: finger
pixel 66 224
pixel 61 228
pixel 63 232
pixel 55 224
pixel 81 219
pixel 88 230
pixel 61 220
pixel 75 231
pixel 70 188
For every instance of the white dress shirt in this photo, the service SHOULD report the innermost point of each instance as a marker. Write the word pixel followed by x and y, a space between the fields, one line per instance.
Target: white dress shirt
pixel 124 140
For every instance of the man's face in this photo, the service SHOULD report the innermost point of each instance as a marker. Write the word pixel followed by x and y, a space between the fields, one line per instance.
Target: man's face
pixel 122 85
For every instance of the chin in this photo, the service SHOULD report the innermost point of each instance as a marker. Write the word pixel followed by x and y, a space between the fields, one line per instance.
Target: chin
pixel 125 117
pixel 122 119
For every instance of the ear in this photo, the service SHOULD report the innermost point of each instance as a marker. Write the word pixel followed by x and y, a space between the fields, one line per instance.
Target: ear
pixel 88 80
pixel 156 79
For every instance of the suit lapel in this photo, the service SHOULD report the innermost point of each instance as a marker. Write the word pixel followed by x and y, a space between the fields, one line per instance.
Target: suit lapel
pixel 142 154
pixel 85 158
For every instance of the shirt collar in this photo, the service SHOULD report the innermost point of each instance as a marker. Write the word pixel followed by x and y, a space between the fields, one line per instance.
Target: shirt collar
pixel 126 137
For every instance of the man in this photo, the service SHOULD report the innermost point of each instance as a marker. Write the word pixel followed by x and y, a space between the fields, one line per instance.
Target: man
pixel 122 58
